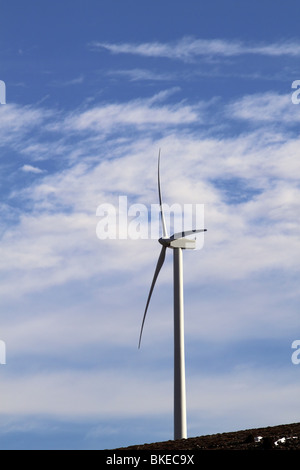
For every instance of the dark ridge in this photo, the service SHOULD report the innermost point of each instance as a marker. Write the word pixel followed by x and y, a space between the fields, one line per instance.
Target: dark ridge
pixel 282 437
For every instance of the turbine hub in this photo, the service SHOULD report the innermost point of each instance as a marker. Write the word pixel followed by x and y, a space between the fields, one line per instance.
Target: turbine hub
pixel 165 242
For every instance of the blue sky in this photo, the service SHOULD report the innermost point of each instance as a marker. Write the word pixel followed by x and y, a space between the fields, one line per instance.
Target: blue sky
pixel 93 90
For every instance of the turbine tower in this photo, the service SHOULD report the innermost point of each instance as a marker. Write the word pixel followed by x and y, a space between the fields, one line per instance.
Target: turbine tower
pixel 177 243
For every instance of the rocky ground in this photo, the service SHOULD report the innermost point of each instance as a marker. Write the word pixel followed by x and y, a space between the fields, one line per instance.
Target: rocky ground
pixel 282 437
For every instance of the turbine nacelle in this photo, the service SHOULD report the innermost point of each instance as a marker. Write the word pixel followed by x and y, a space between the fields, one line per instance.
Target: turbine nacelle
pixel 184 243
pixel 179 240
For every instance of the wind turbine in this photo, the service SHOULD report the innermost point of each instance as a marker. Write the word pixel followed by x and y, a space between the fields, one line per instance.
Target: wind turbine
pixel 177 242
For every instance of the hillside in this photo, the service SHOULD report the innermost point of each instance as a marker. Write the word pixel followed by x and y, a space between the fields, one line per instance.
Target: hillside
pixel 282 437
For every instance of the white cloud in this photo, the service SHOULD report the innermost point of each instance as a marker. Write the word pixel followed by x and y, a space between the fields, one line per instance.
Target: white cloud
pixel 64 204
pixel 31 169
pixel 16 120
pixel 138 113
pixel 73 81
pixel 188 48
pixel 219 401
pixel 265 107
pixel 143 74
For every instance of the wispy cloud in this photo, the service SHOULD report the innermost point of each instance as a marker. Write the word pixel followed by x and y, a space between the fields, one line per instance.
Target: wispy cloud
pixel 66 201
pixel 267 107
pixel 31 169
pixel 18 120
pixel 143 74
pixel 73 81
pixel 138 113
pixel 189 48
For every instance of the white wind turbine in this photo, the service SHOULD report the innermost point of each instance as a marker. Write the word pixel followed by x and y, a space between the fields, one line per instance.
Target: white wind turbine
pixel 177 242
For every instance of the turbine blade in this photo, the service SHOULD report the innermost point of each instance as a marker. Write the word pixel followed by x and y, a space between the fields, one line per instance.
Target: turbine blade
pixel 160 262
pixel 186 233
pixel 164 228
